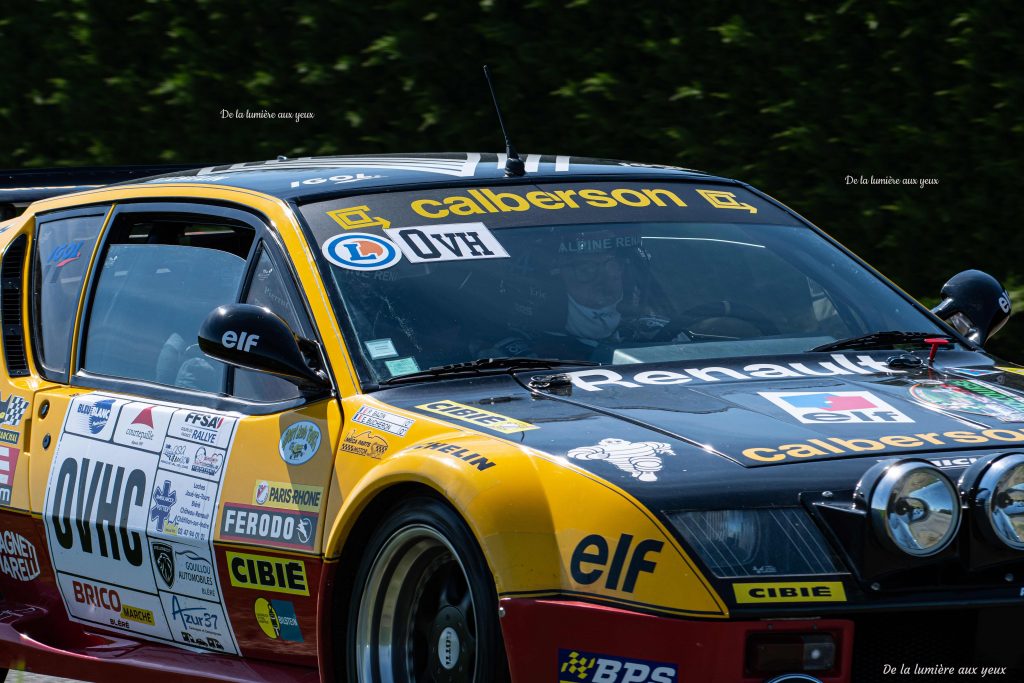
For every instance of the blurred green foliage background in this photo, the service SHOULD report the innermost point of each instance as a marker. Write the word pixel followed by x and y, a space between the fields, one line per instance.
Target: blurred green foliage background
pixel 790 96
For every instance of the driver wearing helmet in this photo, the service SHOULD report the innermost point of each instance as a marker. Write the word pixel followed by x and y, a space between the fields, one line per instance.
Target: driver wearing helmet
pixel 594 300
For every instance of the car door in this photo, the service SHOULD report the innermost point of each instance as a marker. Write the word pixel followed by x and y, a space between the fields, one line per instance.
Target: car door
pixel 181 497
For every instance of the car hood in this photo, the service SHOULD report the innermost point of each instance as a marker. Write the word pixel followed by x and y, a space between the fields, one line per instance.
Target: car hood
pixel 642 426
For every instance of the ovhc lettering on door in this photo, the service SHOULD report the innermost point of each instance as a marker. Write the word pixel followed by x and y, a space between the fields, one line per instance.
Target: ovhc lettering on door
pixel 90 505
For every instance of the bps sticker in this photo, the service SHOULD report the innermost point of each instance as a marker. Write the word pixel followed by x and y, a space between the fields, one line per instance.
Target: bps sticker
pixel 299 442
pixel 577 666
pixel 818 407
pixel 361 251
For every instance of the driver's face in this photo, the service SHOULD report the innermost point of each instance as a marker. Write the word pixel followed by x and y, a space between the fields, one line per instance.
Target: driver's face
pixel 594 280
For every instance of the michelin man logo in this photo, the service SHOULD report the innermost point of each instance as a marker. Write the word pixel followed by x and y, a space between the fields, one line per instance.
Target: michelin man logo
pixel 642 459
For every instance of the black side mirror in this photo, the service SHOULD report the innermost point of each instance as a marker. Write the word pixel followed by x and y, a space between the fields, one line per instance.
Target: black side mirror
pixel 256 338
pixel 975 304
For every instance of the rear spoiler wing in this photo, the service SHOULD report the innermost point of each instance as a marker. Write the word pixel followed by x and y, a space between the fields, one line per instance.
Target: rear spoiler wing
pixel 21 187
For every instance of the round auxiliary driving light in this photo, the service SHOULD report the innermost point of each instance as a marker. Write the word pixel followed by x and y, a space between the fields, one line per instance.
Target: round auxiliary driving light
pixel 1001 490
pixel 915 509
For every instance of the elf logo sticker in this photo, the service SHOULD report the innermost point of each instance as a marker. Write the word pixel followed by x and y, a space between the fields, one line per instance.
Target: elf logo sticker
pixel 594 558
pixel 448 242
pixel 361 251
pixel 576 666
pixel 817 407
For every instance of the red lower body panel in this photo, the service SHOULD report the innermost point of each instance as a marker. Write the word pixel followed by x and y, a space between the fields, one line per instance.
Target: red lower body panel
pixel 552 640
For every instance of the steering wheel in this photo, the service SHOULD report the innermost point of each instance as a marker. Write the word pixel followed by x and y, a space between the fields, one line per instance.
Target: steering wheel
pixel 722 309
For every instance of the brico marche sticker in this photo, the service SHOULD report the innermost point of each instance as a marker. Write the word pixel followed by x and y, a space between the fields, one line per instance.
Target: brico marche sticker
pixel 129 512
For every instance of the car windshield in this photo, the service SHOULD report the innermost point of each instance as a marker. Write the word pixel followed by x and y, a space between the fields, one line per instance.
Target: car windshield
pixel 611 273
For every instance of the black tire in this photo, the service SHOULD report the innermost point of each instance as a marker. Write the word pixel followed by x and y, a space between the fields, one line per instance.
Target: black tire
pixel 422 568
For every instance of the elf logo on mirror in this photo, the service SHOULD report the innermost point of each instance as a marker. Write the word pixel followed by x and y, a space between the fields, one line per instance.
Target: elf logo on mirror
pixel 243 341
pixel 90 504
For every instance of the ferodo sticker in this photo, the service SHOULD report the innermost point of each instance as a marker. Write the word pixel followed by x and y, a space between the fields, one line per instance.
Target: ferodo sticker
pixel 272 574
pixel 268 526
pixel 129 513
pixel 822 591
pixel 578 666
pixel 477 416
pixel 447 242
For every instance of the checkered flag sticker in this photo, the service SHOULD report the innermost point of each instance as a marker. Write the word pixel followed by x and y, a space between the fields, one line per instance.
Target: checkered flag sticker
pixel 15 408
pixel 578 665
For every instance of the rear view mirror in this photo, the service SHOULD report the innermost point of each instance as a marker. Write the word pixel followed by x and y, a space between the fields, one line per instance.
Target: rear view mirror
pixel 256 338
pixel 974 304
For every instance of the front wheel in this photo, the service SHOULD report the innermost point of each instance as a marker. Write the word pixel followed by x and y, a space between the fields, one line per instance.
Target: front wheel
pixel 423 605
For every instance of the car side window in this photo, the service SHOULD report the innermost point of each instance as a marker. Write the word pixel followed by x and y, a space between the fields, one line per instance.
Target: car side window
pixel 63 248
pixel 270 288
pixel 159 278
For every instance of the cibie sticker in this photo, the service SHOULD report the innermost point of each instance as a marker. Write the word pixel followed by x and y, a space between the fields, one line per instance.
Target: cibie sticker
pixel 577 666
pixel 361 251
pixel 299 442
pixel 817 407
pixel 447 242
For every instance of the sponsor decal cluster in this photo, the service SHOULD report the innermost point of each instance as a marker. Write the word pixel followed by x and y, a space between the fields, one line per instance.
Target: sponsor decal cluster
pixel 835 407
pixel 8 465
pixel 971 396
pixel 277 620
pixel 299 442
pixel 475 459
pixel 268 526
pixel 601 379
pixel 836 446
pixel 579 666
pixel 12 411
pixel 365 443
pixel 617 564
pixel 18 557
pixel 383 420
pixel 128 513
pixel 640 459
pixel 477 417
pixel 268 574
pixel 819 591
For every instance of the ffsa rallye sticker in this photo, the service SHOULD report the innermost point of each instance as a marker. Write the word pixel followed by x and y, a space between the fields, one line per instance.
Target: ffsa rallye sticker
pixel 129 512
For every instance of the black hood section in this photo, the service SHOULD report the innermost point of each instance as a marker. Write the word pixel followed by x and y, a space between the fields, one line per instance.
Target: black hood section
pixel 659 430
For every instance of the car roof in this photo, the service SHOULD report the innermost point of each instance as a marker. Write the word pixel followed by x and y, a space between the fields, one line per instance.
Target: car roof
pixel 306 178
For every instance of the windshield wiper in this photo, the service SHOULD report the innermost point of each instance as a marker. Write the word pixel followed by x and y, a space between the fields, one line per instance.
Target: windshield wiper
pixel 502 364
pixel 880 340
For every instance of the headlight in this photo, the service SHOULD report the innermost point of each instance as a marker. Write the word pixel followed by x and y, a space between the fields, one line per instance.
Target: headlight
pixel 766 542
pixel 914 507
pixel 1001 492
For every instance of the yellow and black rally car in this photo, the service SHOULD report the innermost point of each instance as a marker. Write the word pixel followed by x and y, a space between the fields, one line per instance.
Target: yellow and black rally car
pixel 409 418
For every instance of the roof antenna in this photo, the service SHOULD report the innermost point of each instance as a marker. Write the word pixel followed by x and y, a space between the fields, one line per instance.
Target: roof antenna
pixel 514 166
